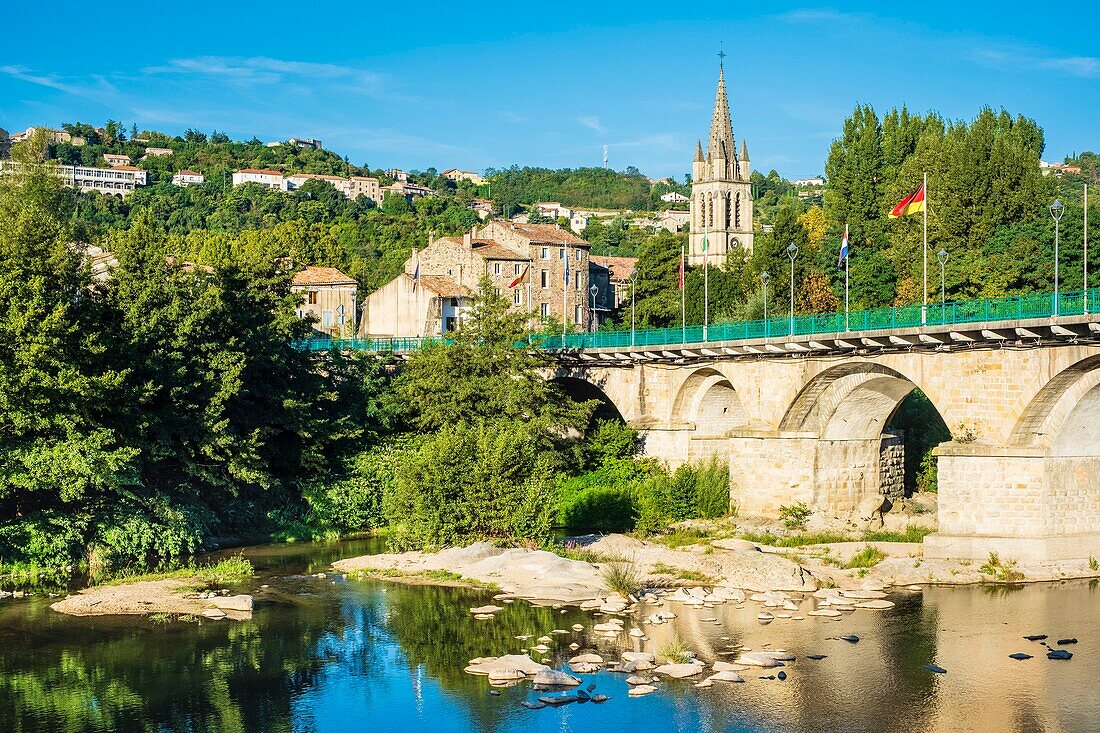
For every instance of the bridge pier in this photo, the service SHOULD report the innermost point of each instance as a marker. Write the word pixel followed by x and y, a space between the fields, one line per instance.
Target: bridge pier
pixel 1017 501
pixel 771 469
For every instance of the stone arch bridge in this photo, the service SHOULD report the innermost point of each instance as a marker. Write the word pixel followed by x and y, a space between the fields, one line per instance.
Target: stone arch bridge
pixel 805 419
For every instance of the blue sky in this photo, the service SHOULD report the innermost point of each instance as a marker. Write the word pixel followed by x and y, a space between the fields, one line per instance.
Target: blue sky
pixel 474 85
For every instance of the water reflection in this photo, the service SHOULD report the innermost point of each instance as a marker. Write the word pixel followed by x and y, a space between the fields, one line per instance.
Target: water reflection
pixel 323 655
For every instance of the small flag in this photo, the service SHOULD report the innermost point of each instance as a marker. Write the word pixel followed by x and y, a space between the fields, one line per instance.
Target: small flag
pixel 704 248
pixel 521 278
pixel 566 265
pixel 911 204
pixel 680 277
pixel 416 274
pixel 843 248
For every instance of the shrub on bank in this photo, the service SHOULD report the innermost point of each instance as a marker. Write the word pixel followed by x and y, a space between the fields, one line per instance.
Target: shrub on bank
pixel 473 481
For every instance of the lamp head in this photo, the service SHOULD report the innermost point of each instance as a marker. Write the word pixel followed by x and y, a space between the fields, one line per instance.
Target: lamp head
pixel 942 256
pixel 1056 209
pixel 792 250
pixel 765 277
pixel 593 290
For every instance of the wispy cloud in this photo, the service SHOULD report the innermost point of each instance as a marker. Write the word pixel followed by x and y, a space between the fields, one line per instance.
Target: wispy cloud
pixel 99 86
pixel 821 16
pixel 593 123
pixel 1017 60
pixel 262 70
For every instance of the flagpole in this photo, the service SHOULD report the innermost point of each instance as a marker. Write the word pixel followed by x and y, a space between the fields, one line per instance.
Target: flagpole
pixel 1085 262
pixel 924 306
pixel 683 297
pixel 564 296
pixel 706 285
pixel 847 256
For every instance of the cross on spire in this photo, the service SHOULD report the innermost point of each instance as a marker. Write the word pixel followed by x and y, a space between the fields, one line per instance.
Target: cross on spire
pixel 721 57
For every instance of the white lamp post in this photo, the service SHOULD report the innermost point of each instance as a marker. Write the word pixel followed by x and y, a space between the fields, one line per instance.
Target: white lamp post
pixel 764 278
pixel 1056 210
pixel 792 252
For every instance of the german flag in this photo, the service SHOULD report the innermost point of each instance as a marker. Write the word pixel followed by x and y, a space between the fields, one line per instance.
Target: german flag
pixel 911 204
pixel 522 278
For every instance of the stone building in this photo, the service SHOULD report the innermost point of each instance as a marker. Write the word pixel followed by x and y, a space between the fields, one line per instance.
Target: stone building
pixel 524 262
pixel 721 192
pixel 329 296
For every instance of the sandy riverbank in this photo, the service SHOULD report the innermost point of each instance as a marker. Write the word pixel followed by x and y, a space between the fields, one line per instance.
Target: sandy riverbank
pixel 146 597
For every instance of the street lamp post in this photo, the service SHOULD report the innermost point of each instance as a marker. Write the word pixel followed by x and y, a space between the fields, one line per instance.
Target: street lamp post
pixel 592 313
pixel 633 277
pixel 942 257
pixel 792 252
pixel 1056 210
pixel 764 278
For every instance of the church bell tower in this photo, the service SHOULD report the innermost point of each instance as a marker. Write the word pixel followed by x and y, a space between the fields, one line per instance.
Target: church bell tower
pixel 721 193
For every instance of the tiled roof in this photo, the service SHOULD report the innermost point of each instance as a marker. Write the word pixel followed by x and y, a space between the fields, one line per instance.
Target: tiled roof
pixel 443 286
pixel 260 171
pixel 186 172
pixel 548 233
pixel 620 267
pixel 124 168
pixel 491 250
pixel 312 275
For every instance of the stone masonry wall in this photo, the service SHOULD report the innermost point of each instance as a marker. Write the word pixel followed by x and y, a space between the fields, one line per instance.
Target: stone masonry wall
pixel 891 466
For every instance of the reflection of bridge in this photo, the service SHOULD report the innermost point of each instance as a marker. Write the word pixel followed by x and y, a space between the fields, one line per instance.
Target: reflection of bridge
pixel 803 418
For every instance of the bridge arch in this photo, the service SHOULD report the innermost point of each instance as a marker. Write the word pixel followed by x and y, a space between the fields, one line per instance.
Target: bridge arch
pixel 1063 416
pixel 708 399
pixel 583 390
pixel 873 429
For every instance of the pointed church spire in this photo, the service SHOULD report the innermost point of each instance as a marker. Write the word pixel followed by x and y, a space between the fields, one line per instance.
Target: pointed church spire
pixel 721 143
pixel 744 151
pixel 698 151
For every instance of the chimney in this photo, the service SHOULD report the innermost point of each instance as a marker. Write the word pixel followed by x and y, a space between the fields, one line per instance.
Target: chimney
pixel 468 240
pixel 431 237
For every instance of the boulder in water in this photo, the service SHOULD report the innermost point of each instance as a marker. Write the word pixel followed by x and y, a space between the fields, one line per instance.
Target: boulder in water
pixel 1059 654
pixel 934 668
pixel 553 678
pixel 1019 656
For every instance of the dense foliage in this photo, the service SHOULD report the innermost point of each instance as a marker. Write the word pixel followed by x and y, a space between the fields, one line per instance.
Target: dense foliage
pixel 144 413
pixel 599 188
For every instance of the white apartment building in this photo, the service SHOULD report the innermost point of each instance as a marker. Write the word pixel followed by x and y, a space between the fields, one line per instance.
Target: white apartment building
pixel 157 152
pixel 187 178
pixel 119 180
pixel 352 188
pixel 675 197
pixel 267 178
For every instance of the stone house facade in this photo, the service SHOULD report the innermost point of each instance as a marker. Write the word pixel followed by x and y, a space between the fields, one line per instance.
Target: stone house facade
pixel 329 297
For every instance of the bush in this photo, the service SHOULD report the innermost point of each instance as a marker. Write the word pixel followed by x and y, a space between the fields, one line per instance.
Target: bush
pixel 352 501
pixel 794 516
pixel 134 535
pixel 472 482
pixel 610 440
pixel 712 489
pixel 48 539
pixel 601 509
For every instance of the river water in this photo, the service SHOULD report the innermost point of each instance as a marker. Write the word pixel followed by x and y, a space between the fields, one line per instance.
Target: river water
pixel 327 655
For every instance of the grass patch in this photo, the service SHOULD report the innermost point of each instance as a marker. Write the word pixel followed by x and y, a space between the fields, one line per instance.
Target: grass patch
pixel 441 577
pixel 868 557
pixel 230 571
pixel 621 576
pixel 683 538
pixel 572 551
pixel 797 540
pixel 912 533
pixel 661 568
pixel 673 651
pixel 1003 571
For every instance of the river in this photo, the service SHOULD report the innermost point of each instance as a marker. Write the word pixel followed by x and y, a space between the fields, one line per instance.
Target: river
pixel 324 655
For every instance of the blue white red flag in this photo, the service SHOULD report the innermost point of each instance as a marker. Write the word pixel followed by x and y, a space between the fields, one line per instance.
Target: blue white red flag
pixel 843 248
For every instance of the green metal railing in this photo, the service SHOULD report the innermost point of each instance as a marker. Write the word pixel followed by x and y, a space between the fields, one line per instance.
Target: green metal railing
pixel 984 310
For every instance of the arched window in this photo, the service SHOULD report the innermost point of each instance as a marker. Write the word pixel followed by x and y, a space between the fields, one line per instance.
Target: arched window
pixel 710 211
pixel 728 201
pixel 737 211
